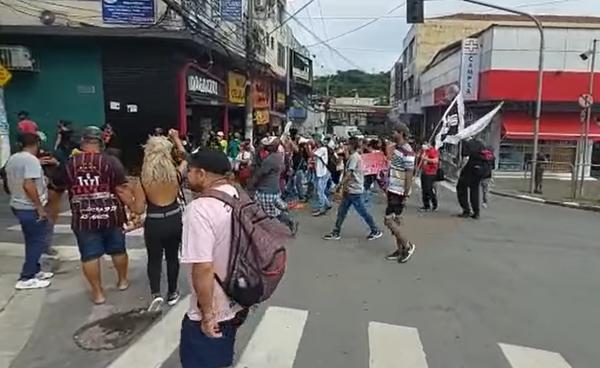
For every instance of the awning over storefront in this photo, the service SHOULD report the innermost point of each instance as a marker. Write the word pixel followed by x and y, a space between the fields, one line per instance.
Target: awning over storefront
pixel 553 126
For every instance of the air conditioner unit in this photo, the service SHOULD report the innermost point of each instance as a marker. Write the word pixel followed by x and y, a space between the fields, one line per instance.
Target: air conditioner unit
pixel 16 58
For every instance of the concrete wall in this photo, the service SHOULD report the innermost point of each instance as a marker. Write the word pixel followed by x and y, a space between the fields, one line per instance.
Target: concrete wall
pixel 443 73
pixel 516 48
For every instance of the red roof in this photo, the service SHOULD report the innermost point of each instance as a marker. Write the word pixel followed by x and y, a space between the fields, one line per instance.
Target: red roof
pixel 564 126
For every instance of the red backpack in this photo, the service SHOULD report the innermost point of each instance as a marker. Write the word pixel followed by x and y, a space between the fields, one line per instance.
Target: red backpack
pixel 258 257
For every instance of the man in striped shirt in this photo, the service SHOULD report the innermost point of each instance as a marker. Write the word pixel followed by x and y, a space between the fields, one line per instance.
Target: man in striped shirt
pixel 97 193
pixel 402 165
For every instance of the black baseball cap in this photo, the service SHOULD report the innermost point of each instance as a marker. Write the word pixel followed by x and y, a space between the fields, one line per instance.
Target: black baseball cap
pixel 211 160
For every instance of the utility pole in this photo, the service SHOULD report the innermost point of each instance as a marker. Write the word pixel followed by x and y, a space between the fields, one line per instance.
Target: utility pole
pixel 250 81
pixel 540 79
pixel 588 118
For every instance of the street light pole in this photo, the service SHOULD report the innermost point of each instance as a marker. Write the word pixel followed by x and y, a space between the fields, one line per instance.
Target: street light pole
pixel 540 79
pixel 588 117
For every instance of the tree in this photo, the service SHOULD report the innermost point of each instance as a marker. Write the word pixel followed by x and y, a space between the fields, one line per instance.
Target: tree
pixel 346 83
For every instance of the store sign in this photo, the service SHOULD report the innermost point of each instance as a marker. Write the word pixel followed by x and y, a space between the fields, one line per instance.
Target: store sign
pixel 231 10
pixel 469 69
pixel 138 12
pixel 261 117
pixel 261 94
pixel 237 88
pixel 203 85
pixel 280 98
pixel 5 76
pixel 443 95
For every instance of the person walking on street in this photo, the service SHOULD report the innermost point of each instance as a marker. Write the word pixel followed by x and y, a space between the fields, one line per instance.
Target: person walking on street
pixel 402 165
pixel 469 181
pixel 429 164
pixel 210 325
pixel 28 196
pixel 539 173
pixel 352 189
pixel 322 176
pixel 485 184
pixel 266 186
pixel 98 192
pixel 158 195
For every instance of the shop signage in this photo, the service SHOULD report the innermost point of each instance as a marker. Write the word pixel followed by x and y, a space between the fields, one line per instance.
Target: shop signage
pixel 5 76
pixel 443 95
pixel 140 12
pixel 200 84
pixel 261 94
pixel 469 69
pixel 237 88
pixel 231 10
pixel 261 117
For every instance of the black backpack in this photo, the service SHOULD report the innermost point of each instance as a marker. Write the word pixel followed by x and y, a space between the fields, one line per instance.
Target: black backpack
pixel 4 178
pixel 331 162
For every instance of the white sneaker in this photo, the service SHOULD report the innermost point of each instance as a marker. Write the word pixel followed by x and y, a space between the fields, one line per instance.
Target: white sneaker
pixel 156 304
pixel 32 284
pixel 44 275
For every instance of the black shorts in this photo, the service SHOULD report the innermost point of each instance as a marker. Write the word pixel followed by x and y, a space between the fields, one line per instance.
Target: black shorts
pixel 395 204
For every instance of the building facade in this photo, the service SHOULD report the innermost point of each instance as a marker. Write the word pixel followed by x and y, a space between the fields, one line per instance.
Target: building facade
pixel 500 64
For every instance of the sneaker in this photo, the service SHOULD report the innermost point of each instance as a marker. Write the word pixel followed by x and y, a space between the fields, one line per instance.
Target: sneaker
pixel 173 298
pixel 407 253
pixel 424 209
pixel 50 251
pixel 375 235
pixel 475 216
pixel 332 236
pixel 44 275
pixel 464 215
pixel 394 256
pixel 32 284
pixel 156 304
pixel 434 208
pixel 484 205
pixel 294 228
pixel 319 213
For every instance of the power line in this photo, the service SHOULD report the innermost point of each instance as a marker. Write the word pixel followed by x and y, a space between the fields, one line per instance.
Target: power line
pixel 364 25
pixel 291 16
pixel 322 20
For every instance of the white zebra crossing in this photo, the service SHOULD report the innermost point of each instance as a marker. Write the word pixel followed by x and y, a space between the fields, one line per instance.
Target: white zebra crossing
pixel 66 229
pixel 276 339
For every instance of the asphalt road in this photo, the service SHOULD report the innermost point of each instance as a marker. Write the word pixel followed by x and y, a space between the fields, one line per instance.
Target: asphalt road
pixel 525 275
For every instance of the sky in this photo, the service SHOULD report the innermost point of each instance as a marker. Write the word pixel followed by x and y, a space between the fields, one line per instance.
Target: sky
pixel 377 46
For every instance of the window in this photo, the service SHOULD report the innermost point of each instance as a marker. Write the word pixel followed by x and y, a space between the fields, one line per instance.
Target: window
pixel 281 51
pixel 411 87
pixel 272 43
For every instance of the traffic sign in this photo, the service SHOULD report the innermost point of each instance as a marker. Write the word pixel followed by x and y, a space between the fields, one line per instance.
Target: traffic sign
pixel 586 100
pixel 5 76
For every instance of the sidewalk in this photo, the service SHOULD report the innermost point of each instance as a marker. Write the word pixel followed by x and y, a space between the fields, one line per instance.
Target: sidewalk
pixel 555 192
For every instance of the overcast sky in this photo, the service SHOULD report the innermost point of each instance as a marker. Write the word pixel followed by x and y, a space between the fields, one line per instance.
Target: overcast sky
pixel 377 46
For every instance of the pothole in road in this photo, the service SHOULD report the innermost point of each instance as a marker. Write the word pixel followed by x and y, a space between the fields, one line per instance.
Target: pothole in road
pixel 114 331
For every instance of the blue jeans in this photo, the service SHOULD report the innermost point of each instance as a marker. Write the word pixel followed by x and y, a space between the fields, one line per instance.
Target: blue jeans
pixel 36 237
pixel 322 194
pixel 196 350
pixel 358 201
pixel 295 186
pixel 93 244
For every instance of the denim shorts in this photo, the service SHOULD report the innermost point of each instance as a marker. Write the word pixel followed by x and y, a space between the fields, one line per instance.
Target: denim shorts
pixel 196 350
pixel 93 244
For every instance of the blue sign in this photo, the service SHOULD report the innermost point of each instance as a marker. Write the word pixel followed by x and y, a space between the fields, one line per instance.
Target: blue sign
pixel 138 12
pixel 231 10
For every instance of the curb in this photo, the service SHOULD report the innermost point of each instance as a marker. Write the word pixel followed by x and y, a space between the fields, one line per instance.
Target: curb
pixel 574 205
pixel 66 253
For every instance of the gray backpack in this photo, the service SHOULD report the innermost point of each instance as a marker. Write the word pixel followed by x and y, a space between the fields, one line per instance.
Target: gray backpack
pixel 258 257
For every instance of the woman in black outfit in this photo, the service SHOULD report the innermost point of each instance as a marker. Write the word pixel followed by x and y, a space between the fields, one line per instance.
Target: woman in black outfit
pixel 158 193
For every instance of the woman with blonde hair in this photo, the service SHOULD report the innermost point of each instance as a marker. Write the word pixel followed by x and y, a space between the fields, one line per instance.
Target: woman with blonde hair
pixel 158 194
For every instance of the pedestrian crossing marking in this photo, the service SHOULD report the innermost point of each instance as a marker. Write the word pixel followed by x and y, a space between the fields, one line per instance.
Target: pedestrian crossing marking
pixel 66 229
pixel 65 214
pixel 158 343
pixel 524 357
pixel 390 346
pixel 275 341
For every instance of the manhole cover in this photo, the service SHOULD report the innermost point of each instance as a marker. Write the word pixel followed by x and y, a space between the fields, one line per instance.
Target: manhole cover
pixel 114 331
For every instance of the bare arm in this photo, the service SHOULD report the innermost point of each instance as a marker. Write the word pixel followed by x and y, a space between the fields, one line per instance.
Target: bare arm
pixel 202 281
pixel 30 189
pixel 125 194
pixel 138 205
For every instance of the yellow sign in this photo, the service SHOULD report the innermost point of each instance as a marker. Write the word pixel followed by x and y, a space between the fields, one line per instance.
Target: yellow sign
pixel 5 76
pixel 237 88
pixel 261 117
pixel 280 98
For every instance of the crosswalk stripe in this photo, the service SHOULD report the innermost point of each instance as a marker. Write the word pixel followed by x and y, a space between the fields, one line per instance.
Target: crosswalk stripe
pixel 158 343
pixel 275 341
pixel 524 357
pixel 393 346
pixel 65 214
pixel 66 229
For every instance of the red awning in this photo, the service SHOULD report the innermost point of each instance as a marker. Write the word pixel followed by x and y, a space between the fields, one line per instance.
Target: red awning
pixel 563 126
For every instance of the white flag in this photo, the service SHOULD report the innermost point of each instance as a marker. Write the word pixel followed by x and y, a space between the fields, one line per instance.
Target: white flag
pixel 475 128
pixel 452 122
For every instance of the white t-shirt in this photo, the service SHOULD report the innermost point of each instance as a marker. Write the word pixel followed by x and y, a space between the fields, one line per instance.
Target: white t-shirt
pixel 321 158
pixel 207 238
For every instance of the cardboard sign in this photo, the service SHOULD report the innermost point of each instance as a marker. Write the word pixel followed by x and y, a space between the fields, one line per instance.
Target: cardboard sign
pixel 374 163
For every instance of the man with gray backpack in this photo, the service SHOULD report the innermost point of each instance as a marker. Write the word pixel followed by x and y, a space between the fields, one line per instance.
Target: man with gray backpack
pixel 236 258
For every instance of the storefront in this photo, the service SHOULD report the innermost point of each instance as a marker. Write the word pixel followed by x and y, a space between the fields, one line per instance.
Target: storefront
pixel 236 85
pixel 261 94
pixel 203 102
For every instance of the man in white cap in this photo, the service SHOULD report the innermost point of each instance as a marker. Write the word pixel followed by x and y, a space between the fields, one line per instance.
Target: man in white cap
pixel 322 174
pixel 265 183
pixel 222 142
